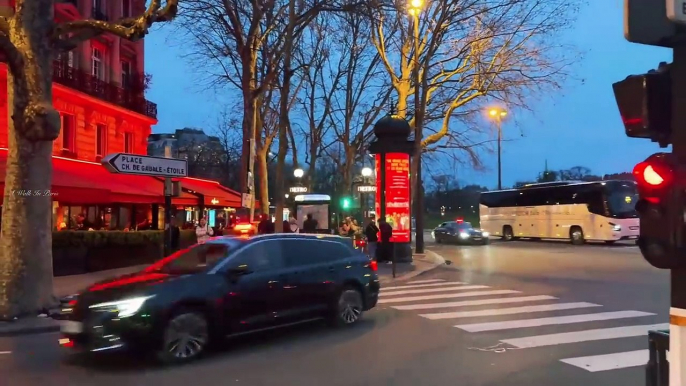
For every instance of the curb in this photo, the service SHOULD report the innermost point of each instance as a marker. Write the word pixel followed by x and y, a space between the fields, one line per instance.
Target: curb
pixel 438 260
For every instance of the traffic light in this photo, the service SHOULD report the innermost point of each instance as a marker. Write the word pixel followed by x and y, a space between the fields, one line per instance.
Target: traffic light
pixel 661 211
pixel 645 104
pixel 345 203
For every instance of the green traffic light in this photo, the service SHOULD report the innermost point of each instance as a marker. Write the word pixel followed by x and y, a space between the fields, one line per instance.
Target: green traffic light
pixel 346 203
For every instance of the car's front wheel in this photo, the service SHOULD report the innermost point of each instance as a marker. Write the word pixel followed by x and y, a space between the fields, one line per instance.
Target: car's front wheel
pixel 186 337
pixel 349 308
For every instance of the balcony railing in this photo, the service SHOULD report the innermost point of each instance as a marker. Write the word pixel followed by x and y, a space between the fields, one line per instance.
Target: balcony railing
pixel 131 98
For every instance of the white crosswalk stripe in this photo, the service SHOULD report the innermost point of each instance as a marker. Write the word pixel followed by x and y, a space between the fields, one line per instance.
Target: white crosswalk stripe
pixel 509 311
pixel 430 290
pixel 480 302
pixel 584 336
pixel 425 281
pixel 445 283
pixel 447 296
pixel 470 299
pixel 620 360
pixel 513 324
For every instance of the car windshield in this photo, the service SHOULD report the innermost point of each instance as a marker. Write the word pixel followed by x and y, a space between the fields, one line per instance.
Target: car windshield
pixel 195 259
pixel 621 200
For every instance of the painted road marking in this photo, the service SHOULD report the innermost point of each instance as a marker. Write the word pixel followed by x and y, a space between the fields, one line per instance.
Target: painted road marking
pixel 422 285
pixel 512 324
pixel 607 362
pixel 584 336
pixel 424 281
pixel 509 311
pixel 474 302
pixel 447 296
pixel 429 290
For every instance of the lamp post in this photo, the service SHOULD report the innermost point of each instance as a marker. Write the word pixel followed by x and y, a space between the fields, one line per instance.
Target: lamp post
pixel 498 114
pixel 415 9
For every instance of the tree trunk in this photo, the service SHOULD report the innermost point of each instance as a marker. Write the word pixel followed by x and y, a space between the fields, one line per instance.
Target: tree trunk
pixel 249 83
pixel 263 181
pixel 26 235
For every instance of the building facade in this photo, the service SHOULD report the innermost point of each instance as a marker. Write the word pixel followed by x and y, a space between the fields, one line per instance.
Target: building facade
pixel 99 91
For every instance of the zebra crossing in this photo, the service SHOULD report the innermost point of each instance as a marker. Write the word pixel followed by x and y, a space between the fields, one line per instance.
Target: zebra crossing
pixel 438 299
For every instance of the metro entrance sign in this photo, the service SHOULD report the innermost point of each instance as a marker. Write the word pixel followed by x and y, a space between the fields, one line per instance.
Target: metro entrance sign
pixel 145 165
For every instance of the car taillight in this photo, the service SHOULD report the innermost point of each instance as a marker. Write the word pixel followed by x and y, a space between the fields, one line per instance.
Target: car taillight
pixel 373 265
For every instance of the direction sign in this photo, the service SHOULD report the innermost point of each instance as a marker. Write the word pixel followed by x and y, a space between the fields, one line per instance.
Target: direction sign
pixel 145 165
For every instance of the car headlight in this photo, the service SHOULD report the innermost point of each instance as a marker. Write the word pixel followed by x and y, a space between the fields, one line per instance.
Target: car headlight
pixel 485 234
pixel 464 235
pixel 615 227
pixel 123 308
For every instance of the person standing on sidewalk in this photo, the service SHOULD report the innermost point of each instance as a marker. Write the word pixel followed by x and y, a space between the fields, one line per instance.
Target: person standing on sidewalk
pixel 203 231
pixel 371 231
pixel 385 250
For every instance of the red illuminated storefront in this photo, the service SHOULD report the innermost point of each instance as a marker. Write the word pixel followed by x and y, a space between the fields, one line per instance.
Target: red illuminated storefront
pixel 99 91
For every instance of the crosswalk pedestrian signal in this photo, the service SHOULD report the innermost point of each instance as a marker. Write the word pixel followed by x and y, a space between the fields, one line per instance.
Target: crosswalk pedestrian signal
pixel 345 203
pixel 645 104
pixel 661 211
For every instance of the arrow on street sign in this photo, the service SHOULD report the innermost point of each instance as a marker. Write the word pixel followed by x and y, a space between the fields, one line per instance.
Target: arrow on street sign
pixel 145 165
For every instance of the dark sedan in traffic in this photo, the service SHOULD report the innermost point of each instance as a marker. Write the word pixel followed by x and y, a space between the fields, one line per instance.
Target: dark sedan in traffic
pixel 459 232
pixel 225 286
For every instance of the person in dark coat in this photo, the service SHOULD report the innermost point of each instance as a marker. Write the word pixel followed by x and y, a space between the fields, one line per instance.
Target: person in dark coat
pixel 265 226
pixel 286 227
pixel 385 249
pixel 371 231
pixel 310 224
pixel 175 235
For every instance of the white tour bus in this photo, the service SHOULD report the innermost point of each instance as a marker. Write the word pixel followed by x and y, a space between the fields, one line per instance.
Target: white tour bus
pixel 578 211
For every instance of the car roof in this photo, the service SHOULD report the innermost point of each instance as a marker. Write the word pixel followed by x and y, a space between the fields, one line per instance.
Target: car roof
pixel 277 236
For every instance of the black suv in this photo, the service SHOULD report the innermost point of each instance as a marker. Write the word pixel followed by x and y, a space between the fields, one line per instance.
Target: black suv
pixel 227 285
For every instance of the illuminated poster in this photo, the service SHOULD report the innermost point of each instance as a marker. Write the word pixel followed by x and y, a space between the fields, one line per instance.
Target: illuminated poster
pixel 397 194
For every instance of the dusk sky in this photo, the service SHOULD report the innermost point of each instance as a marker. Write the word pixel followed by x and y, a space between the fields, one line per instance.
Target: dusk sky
pixel 579 127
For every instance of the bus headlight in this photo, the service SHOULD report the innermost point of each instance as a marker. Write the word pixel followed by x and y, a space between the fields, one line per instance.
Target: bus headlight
pixel 464 235
pixel 615 227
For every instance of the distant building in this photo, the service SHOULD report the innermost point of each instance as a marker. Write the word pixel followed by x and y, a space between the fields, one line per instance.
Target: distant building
pixel 205 153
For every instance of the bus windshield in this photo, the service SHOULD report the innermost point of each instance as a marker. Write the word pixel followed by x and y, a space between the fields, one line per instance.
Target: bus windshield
pixel 621 200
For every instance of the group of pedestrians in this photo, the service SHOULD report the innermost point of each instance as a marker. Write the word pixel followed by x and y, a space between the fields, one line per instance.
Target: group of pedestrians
pixel 379 240
pixel 266 226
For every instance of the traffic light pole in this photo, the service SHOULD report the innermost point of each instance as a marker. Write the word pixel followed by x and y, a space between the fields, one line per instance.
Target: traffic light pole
pixel 677 312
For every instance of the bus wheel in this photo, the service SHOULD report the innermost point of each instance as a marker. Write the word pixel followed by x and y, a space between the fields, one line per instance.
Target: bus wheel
pixel 576 235
pixel 507 233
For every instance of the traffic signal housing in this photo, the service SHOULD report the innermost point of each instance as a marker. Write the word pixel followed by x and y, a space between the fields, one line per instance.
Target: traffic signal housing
pixel 345 203
pixel 645 104
pixel 661 211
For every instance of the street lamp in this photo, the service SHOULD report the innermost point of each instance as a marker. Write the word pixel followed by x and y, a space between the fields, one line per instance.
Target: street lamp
pixel 366 172
pixel 414 9
pixel 498 114
pixel 298 173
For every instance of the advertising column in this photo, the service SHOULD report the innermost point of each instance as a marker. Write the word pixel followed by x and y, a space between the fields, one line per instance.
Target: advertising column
pixel 397 194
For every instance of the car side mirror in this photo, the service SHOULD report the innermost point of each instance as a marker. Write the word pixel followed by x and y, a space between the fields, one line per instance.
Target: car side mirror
pixel 239 271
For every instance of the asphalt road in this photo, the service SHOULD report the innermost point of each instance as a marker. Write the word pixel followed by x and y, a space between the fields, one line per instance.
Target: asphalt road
pixel 418 343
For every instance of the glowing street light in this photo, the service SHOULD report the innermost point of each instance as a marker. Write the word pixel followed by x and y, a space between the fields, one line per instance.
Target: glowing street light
pixel 366 172
pixel 498 114
pixel 298 173
pixel 414 8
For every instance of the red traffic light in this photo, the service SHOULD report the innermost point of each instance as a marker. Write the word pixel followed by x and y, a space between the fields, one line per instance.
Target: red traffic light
pixel 653 175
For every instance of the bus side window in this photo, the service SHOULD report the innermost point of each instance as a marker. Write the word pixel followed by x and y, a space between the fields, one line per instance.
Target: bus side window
pixel 563 195
pixel 533 197
pixel 593 198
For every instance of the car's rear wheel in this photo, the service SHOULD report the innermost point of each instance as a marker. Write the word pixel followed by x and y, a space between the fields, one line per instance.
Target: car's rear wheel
pixel 186 337
pixel 349 307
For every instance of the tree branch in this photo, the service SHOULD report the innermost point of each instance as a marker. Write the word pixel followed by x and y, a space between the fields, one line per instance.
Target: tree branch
pixel 72 32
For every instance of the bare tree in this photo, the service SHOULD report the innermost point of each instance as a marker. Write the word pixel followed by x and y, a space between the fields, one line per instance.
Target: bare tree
pixel 345 93
pixel 228 130
pixel 472 53
pixel 237 43
pixel 30 40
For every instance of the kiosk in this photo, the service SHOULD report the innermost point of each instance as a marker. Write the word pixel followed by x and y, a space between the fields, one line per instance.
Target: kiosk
pixel 319 206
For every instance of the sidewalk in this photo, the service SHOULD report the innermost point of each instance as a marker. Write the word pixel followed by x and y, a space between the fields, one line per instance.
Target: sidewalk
pixel 404 271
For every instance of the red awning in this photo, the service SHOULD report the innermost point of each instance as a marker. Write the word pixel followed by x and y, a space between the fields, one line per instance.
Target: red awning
pixel 214 193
